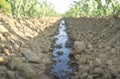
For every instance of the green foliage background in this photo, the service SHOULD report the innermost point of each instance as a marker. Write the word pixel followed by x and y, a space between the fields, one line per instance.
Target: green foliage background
pixel 94 8
pixel 5 7
pixel 33 8
pixel 27 8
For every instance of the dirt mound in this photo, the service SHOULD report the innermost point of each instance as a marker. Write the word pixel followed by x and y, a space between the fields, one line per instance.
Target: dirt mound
pixel 96 47
pixel 25 47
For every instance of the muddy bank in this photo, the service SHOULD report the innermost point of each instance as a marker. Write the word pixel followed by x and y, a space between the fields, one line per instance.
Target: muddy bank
pixel 25 47
pixel 96 47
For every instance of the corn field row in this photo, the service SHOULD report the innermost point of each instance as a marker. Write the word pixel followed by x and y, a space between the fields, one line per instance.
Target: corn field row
pixel 27 8
pixel 94 8
pixel 33 8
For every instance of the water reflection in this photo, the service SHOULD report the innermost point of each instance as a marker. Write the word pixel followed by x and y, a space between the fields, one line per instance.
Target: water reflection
pixel 61 69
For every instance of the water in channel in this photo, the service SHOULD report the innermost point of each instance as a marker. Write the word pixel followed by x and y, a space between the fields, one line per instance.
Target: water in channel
pixel 60 68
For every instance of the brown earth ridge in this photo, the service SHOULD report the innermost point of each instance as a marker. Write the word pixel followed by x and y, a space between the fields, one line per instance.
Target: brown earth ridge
pixel 25 47
pixel 26 44
pixel 96 48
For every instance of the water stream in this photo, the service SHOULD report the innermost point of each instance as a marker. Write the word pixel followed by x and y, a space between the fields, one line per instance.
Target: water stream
pixel 60 68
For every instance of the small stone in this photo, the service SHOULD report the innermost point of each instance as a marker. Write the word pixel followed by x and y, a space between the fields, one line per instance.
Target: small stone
pixel 77 57
pixel 113 51
pixel 84 75
pixel 29 55
pixel 53 61
pixel 15 44
pixel 90 47
pixel 107 48
pixel 85 69
pixel 6 51
pixel 68 44
pixel 3 68
pixel 50 49
pixel 74 64
pixel 103 57
pixel 98 70
pixel 97 62
pixel 107 76
pixel 15 63
pixel 109 62
pixel 58 46
pixel 71 55
pixel 2 60
pixel 90 36
pixel 1 37
pixel 90 77
pixel 60 52
pixel 101 45
pixel 6 35
pixel 10 75
pixel 115 72
pixel 82 60
pixel 79 46
pixel 27 71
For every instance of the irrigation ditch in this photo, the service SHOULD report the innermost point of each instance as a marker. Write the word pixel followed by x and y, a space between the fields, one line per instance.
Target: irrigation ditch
pixel 82 48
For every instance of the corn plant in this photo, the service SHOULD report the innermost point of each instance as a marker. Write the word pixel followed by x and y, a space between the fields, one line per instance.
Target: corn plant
pixel 115 8
pixel 15 7
pixel 31 8
pixel 28 7
pixel 46 9
pixel 22 7
pixel 74 10
pixel 94 8
pixel 5 7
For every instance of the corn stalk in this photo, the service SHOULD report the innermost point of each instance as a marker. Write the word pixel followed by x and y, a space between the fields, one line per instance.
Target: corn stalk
pixel 31 8
pixel 94 8
pixel 5 7
pixel 46 9
pixel 22 7
pixel 15 7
